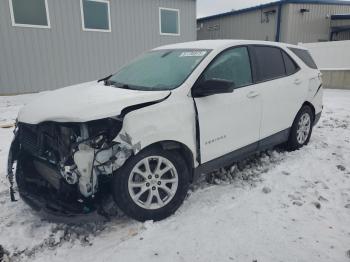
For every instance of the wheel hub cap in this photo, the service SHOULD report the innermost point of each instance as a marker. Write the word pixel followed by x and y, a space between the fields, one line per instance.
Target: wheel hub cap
pixel 153 182
pixel 304 126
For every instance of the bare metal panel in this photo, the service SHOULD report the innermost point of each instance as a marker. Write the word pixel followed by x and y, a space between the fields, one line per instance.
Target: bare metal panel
pixel 37 59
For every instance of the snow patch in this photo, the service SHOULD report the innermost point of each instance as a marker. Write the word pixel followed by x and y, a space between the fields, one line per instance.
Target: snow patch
pixel 304 216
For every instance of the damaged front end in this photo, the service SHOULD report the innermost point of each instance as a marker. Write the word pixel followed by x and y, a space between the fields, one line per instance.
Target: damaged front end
pixel 65 167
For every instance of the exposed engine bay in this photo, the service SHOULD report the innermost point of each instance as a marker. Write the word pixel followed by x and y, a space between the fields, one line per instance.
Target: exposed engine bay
pixel 66 162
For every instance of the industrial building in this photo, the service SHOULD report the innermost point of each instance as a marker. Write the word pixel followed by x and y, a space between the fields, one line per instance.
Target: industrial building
pixel 47 44
pixel 290 21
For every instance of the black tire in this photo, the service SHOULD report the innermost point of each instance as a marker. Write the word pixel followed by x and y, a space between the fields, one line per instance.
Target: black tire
pixel 293 143
pixel 123 198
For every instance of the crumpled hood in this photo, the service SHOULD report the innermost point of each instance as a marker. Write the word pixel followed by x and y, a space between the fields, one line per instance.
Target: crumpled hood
pixel 84 102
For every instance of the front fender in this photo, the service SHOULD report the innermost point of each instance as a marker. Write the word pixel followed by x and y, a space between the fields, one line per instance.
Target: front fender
pixel 170 120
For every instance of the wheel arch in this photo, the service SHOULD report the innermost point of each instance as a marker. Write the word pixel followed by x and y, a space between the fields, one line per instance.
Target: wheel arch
pixel 309 104
pixel 179 147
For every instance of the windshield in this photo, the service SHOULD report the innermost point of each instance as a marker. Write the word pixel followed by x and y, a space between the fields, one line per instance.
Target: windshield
pixel 158 70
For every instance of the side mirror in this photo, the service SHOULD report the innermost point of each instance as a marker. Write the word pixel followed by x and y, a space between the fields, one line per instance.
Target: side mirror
pixel 212 87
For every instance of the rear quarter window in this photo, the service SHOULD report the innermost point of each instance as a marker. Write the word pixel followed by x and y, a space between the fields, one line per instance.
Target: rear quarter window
pixel 305 56
pixel 291 66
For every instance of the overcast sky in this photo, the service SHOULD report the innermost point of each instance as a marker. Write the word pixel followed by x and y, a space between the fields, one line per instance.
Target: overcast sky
pixel 212 7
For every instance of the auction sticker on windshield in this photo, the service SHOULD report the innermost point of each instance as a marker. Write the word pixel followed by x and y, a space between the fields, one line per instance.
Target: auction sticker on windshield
pixel 193 53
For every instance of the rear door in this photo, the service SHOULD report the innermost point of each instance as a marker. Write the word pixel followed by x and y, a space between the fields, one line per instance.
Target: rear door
pixel 281 84
pixel 229 121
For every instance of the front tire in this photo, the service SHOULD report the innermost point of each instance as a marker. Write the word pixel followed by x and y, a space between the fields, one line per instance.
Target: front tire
pixel 151 185
pixel 301 129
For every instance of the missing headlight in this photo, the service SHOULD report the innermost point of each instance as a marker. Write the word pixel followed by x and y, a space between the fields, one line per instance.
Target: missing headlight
pixel 79 152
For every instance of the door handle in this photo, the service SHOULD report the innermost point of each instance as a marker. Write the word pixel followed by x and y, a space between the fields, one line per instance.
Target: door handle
pixel 252 94
pixel 297 81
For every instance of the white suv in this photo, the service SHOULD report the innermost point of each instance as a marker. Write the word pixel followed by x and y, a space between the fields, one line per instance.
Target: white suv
pixel 146 132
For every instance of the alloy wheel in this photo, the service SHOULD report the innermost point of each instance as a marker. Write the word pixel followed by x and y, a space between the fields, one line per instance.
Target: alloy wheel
pixel 153 182
pixel 304 126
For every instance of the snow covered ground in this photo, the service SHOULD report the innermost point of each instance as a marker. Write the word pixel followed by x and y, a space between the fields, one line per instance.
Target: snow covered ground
pixel 277 206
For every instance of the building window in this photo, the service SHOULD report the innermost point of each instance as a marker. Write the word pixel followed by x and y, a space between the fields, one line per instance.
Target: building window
pixel 169 21
pixel 30 13
pixel 95 15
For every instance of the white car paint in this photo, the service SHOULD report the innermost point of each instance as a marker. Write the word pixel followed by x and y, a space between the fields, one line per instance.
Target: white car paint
pixel 228 121
pixel 84 102
pixel 270 109
pixel 171 120
pixel 282 98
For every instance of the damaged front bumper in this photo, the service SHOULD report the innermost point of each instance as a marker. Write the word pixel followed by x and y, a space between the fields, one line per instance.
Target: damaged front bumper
pixel 65 171
pixel 14 150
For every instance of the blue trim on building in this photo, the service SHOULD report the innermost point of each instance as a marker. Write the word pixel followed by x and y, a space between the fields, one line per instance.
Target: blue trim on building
pixel 279 19
pixel 340 17
pixel 242 11
pixel 281 2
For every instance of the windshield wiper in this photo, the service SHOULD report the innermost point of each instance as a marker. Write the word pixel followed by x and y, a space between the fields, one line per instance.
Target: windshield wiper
pixel 124 86
pixel 116 84
pixel 104 79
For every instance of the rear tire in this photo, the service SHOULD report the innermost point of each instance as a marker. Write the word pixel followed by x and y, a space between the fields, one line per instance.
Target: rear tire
pixel 301 130
pixel 151 185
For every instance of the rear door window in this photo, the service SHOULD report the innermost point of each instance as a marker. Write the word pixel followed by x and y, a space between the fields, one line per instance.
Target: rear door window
pixel 269 62
pixel 305 56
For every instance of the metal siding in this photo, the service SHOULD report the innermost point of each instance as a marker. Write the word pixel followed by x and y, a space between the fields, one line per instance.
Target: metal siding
pixel 341 35
pixel 285 28
pixel 33 59
pixel 313 26
pixel 295 27
pixel 243 26
pixel 258 7
pixel 341 22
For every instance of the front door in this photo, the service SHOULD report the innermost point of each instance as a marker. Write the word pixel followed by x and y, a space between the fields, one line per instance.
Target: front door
pixel 229 121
